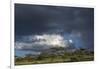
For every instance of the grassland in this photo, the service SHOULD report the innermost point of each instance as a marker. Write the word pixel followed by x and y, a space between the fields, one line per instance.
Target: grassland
pixel 77 56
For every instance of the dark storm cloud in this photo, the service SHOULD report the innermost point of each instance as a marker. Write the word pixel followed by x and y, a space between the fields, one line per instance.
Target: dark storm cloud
pixel 30 19
pixel 37 19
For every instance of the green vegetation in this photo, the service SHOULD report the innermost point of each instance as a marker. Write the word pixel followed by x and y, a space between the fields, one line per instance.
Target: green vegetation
pixel 79 55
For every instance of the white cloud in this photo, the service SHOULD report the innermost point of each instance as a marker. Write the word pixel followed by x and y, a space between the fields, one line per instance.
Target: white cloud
pixel 42 41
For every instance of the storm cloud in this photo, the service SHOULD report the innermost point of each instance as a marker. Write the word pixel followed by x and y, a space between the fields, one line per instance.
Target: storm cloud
pixel 72 23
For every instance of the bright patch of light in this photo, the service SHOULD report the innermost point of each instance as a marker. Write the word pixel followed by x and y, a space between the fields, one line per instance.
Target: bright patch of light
pixel 53 40
pixel 70 41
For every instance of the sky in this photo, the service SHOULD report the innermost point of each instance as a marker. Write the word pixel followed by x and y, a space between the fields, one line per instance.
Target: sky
pixel 39 27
